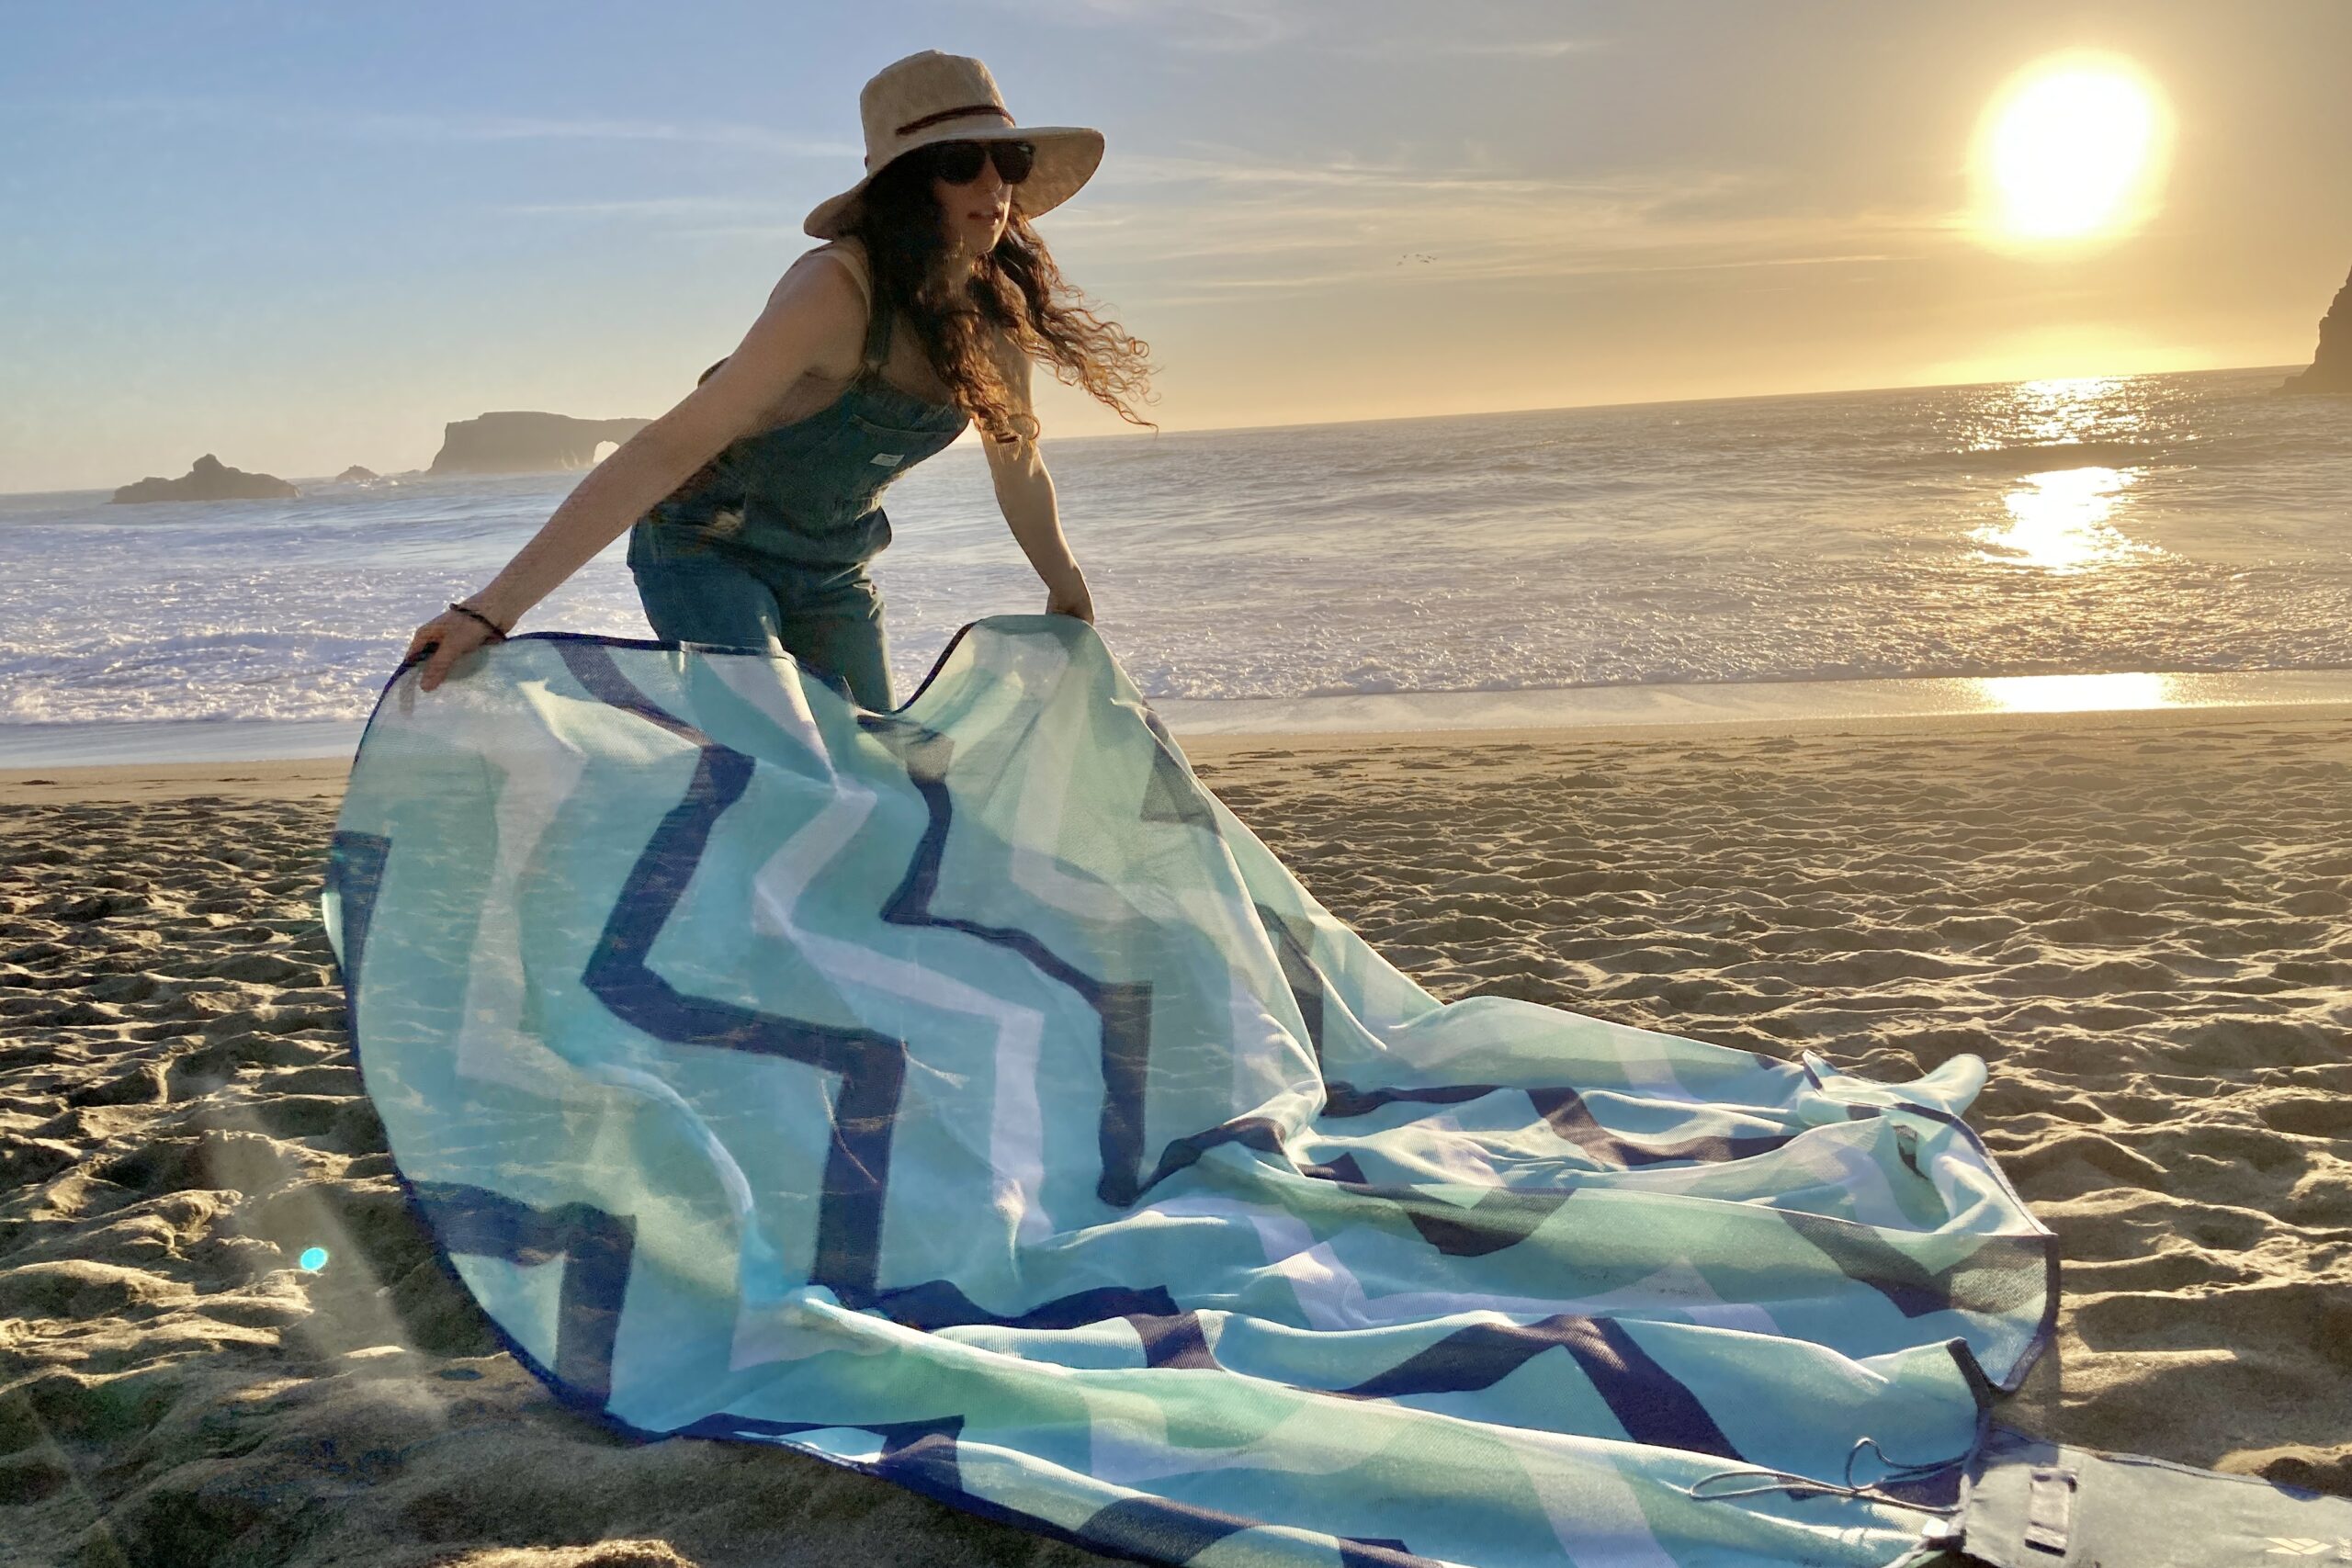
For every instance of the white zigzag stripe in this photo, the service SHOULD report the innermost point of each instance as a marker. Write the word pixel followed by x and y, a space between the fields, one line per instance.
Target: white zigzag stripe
pixel 1017 1128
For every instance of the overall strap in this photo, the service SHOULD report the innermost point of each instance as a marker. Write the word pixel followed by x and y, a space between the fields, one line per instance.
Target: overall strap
pixel 877 322
pixel 878 332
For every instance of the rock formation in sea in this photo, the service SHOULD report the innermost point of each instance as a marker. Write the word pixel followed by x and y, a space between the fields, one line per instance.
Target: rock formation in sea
pixel 355 473
pixel 2331 369
pixel 527 443
pixel 210 479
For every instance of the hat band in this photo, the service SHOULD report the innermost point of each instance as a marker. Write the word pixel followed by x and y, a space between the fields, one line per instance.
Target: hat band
pixel 915 125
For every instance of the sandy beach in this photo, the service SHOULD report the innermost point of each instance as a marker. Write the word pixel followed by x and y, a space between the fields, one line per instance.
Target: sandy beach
pixel 2139 920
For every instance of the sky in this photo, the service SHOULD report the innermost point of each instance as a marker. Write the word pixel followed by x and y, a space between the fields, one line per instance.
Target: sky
pixel 304 236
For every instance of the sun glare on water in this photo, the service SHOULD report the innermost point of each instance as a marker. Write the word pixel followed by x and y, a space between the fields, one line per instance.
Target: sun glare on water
pixel 2070 150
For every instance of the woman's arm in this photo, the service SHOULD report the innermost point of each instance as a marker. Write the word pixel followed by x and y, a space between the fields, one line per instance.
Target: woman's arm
pixel 1025 493
pixel 813 311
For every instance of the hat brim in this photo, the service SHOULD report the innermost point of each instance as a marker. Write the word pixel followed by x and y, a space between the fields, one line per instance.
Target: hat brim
pixel 1068 156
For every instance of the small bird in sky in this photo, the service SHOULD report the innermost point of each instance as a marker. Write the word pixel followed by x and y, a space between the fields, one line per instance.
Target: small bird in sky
pixel 1414 255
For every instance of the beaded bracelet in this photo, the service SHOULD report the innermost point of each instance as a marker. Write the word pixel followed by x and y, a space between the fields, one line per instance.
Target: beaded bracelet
pixel 495 629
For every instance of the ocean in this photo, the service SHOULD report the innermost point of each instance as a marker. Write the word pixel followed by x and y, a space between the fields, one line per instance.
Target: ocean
pixel 2190 530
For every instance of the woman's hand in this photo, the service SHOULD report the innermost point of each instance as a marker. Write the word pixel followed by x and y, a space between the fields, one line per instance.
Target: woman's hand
pixel 447 637
pixel 1069 597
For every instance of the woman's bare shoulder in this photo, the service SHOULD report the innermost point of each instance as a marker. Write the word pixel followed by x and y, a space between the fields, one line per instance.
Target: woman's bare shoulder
pixel 850 254
pixel 844 311
pixel 831 260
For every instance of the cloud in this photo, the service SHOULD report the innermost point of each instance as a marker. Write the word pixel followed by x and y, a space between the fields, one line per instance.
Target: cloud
pixel 1391 47
pixel 1208 26
pixel 1230 226
pixel 460 127
pixel 1350 28
pixel 665 210
pixel 455 125
pixel 1209 224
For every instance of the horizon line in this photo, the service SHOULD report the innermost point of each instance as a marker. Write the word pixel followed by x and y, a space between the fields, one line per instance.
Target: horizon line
pixel 2285 368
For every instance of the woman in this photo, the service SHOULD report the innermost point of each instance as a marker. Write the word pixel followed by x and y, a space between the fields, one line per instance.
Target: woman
pixel 756 500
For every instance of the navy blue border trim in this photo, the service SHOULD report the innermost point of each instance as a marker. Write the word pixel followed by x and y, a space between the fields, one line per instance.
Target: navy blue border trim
pixel 920 687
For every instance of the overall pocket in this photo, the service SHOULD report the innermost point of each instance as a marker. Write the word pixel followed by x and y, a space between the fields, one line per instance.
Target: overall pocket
pixel 900 440
pixel 887 451
pixel 655 542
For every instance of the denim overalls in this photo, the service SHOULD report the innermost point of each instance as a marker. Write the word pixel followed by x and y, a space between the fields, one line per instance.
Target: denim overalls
pixel 767 547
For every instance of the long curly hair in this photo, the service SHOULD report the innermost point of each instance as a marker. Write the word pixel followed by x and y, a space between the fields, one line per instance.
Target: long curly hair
pixel 1015 291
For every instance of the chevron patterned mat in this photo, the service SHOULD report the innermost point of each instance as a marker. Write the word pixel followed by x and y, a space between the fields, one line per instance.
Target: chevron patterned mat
pixel 964 1094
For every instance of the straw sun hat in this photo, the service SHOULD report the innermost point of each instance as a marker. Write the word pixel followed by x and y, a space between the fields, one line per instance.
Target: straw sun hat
pixel 930 97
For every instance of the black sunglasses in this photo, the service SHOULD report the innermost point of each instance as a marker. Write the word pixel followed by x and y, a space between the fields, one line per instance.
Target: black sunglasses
pixel 959 163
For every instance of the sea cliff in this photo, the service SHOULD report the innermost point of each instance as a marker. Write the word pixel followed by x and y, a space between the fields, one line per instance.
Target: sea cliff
pixel 2331 369
pixel 524 442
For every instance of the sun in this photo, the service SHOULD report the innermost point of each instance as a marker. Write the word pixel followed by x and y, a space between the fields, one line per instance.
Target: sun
pixel 2071 151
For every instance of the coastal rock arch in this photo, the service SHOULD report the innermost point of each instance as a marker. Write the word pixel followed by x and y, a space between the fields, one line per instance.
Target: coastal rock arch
pixel 525 443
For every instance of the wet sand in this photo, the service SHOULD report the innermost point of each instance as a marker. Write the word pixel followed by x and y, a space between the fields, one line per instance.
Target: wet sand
pixel 2139 920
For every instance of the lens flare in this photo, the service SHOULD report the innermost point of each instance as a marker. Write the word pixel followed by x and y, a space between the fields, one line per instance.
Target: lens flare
pixel 2072 150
